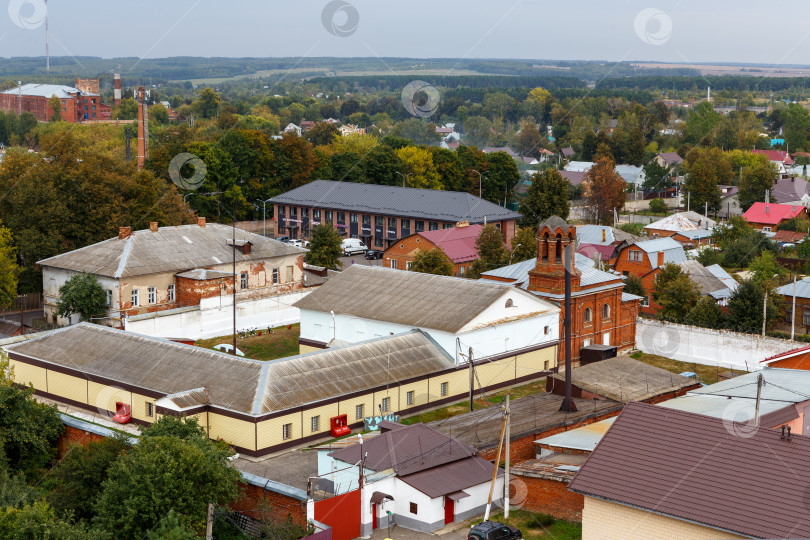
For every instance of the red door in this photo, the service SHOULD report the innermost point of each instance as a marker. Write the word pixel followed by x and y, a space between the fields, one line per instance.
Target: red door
pixel 373 516
pixel 449 510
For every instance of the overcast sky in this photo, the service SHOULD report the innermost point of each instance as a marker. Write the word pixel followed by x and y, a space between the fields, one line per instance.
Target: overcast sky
pixel 689 31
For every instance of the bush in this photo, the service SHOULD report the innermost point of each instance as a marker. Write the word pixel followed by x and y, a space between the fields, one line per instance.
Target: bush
pixel 541 520
pixel 658 206
pixel 636 229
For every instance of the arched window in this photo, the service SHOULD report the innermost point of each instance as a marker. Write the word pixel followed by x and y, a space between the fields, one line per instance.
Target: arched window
pixel 558 250
pixel 587 315
pixel 606 311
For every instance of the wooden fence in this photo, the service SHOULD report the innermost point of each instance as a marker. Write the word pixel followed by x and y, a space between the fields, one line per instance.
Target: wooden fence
pixel 30 301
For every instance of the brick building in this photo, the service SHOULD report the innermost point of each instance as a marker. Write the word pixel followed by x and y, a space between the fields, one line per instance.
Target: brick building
pixel 457 243
pixel 645 259
pixel 164 268
pixel 688 228
pixel 381 215
pixel 767 217
pixel 79 103
pixel 603 314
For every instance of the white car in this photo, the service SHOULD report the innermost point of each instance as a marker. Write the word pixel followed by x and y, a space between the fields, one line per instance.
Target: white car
pixel 299 243
pixel 350 246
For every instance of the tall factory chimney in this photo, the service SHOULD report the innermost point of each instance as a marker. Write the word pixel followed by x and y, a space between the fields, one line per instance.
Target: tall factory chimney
pixel 142 120
pixel 117 90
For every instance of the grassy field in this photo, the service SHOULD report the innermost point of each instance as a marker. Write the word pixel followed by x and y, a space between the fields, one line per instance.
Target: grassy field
pixel 540 525
pixel 706 374
pixel 479 402
pixel 281 343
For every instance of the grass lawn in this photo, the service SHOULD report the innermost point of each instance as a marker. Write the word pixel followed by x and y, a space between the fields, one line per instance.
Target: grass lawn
pixel 706 374
pixel 282 342
pixel 479 402
pixel 556 529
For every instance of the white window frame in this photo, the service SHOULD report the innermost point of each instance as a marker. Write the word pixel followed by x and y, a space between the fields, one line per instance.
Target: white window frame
pixel 315 424
pixel 286 432
pixel 408 265
pixel 359 411
pixel 290 275
pixel 243 280
pixel 150 409
pixel 409 397
pixel 275 276
pixel 586 342
pixel 587 316
pixel 393 264
pixel 645 301
pixel 151 295
pixel 766 229
pixel 606 338
pixel 171 292
pixel 386 404
pixel 136 298
pixel 444 389
pixel 634 255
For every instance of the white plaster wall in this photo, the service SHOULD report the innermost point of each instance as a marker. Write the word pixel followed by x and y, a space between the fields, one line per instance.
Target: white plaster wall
pixel 479 495
pixel 706 346
pixel 427 511
pixel 52 281
pixel 215 317
pixel 485 341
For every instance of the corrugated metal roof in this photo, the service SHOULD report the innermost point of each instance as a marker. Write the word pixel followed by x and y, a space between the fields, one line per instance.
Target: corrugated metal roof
pixel 408 450
pixel 683 221
pixel 458 243
pixel 592 234
pixel 631 174
pixel 249 386
pixel 453 477
pixel 170 249
pixel 772 413
pixel 625 379
pixel 201 274
pixel 720 273
pixel 409 298
pixel 397 201
pixel 45 90
pixel 697 234
pixel 706 281
pixel 698 468
pixel 785 385
pixel 627 297
pixel 673 251
pixel 582 438
pixel 802 289
pixel 519 272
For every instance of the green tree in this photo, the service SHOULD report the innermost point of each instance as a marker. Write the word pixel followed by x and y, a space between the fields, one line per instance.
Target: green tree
pixel 754 182
pixel 417 165
pixel 604 190
pixel 325 248
pixel 170 528
pixel 9 271
pixel 127 109
pixel 75 485
pixel 524 245
pixel 81 294
pixel 434 261
pixel 701 124
pixel 477 129
pixel 502 177
pixel 797 224
pixel 322 134
pixel 636 229
pixel 709 256
pixel 158 114
pixel 492 252
pixel 745 308
pixel 677 296
pixel 207 104
pixel 797 123
pixel 28 429
pixel 547 196
pixel 766 268
pixel 634 285
pixel 706 314
pixel 162 473
pixel 656 177
pixel 707 168
pixel 529 140
pixel 38 521
pixel 56 108
pixel 658 206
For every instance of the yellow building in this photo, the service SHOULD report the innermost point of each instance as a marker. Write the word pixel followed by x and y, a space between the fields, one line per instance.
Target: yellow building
pixel 257 407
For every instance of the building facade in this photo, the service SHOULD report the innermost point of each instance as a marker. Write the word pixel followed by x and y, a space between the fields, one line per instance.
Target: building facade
pixel 644 260
pixel 79 103
pixel 382 215
pixel 458 243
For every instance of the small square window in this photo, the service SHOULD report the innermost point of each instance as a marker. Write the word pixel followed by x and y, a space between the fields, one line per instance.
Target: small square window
pixel 358 412
pixel 152 295
pixel 150 409
pixel 386 404
pixel 286 432
pixel 315 424
pixel 409 398
pixel 444 388
pixel 413 508
pixel 243 280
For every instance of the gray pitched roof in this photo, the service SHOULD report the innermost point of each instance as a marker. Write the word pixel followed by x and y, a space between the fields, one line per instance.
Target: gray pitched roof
pixel 249 386
pixel 407 298
pixel 592 234
pixel 711 471
pixel 519 272
pixel 673 251
pixel 705 279
pixel 396 201
pixel 802 289
pixel 170 249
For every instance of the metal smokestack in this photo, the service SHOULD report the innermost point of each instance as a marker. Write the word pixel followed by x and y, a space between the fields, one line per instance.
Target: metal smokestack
pixel 117 89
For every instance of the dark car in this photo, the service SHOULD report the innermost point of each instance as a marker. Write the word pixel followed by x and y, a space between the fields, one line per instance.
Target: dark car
pixel 374 254
pixel 492 530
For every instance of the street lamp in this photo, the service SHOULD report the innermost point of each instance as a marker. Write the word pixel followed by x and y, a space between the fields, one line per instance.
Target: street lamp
pixel 765 304
pixel 479 182
pixel 513 253
pixel 264 215
pixel 403 177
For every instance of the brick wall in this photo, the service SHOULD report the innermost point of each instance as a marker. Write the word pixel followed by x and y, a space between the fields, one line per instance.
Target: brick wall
pixel 548 496
pixel 190 291
pixel 72 436
pixel 256 502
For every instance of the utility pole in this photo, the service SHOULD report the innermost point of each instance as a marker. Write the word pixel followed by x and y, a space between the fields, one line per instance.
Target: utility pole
pixel 759 393
pixel 568 404
pixel 793 312
pixel 22 314
pixel 209 525
pixel 472 376
pixel 495 470
pixel 507 440
pixel 233 256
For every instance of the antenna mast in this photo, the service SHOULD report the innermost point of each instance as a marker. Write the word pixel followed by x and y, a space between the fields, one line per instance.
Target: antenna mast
pixel 47 49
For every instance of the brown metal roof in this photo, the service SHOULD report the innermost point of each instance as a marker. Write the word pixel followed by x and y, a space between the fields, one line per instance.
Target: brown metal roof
pixel 452 478
pixel 702 469
pixel 407 450
pixel 170 249
pixel 410 298
pixel 625 379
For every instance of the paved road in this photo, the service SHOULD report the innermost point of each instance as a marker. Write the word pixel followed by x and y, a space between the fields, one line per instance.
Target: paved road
pixel 359 259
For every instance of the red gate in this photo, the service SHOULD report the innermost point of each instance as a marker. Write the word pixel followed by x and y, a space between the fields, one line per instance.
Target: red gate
pixel 342 513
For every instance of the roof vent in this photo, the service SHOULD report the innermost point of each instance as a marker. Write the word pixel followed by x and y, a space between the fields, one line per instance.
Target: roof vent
pixel 509 303
pixel 153 226
pixel 201 221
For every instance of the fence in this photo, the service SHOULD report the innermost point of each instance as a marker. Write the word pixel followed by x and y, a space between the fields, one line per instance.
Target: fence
pixel 706 346
pixel 30 301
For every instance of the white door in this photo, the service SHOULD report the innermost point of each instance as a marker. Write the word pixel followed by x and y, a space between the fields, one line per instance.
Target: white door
pixel 606 338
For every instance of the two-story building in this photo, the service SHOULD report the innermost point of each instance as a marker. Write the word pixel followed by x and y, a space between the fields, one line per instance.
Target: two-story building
pixel 688 228
pixel 767 217
pixel 163 268
pixel 644 260
pixel 381 215
pixel 457 243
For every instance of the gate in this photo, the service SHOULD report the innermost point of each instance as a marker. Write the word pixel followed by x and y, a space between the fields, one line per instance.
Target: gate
pixel 342 513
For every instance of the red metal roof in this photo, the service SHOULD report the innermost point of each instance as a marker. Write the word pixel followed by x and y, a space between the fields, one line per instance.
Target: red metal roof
pixel 787 354
pixel 711 471
pixel 770 213
pixel 776 155
pixel 458 242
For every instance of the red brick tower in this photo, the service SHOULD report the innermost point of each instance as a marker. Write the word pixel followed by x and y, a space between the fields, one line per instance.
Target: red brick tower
pixel 548 275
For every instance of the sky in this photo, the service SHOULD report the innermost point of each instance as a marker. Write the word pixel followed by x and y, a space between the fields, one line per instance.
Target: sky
pixel 683 31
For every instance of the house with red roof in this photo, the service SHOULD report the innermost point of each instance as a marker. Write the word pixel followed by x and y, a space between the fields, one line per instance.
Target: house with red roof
pixel 458 243
pixel 780 158
pixel 796 359
pixel 767 217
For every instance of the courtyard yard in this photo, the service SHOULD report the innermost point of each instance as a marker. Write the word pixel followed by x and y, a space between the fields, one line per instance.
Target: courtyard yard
pixel 280 343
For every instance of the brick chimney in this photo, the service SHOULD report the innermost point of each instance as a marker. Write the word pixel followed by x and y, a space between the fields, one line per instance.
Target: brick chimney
pixel 604 235
pixel 660 258
pixel 124 232
pixel 153 226
pixel 201 221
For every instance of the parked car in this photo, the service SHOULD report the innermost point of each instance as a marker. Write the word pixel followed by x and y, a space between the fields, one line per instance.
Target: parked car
pixel 299 243
pixel 374 254
pixel 351 246
pixel 492 530
pixel 284 239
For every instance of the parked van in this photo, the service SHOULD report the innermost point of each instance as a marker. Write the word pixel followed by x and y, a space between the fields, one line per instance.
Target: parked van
pixel 351 246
